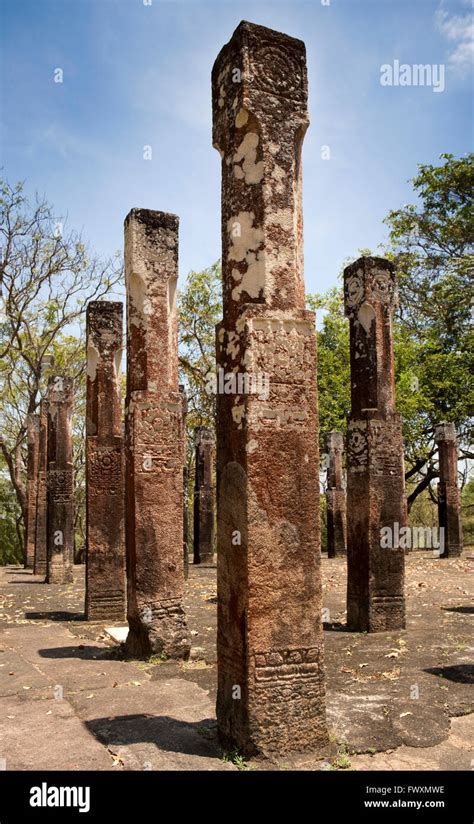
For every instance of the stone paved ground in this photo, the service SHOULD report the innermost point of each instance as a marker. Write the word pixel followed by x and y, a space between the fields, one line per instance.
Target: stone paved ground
pixel 112 713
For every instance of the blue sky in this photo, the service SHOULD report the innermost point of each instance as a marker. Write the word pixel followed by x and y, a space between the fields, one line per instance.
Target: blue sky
pixel 137 75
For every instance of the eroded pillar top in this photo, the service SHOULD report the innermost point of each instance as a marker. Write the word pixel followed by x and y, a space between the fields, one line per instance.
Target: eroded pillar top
pixel 203 435
pixel 259 100
pixel 370 295
pixel 445 432
pixel 60 390
pixel 60 401
pixel 334 442
pixel 104 326
pixel 104 355
pixel 151 255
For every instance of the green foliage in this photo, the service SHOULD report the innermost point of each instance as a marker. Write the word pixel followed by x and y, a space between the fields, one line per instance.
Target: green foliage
pixel 200 309
pixel 333 361
pixel 11 539
pixel 238 761
pixel 467 510
pixel 432 245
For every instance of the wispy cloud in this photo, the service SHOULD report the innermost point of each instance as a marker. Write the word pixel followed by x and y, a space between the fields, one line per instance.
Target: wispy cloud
pixel 459 31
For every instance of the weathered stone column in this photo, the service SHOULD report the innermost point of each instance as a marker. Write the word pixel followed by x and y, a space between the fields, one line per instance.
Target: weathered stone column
pixel 449 499
pixel 105 536
pixel 184 401
pixel 60 481
pixel 41 538
pixel 270 651
pixel 203 497
pixel 335 496
pixel 154 439
pixel 185 522
pixel 32 434
pixel 375 469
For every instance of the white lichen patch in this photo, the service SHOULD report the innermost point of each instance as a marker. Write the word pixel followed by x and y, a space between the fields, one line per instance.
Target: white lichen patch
pixel 221 100
pixel 279 174
pixel 366 316
pixel 253 280
pixel 241 118
pixel 137 292
pixel 283 218
pixel 238 413
pixel 247 152
pixel 233 345
pixel 251 447
pixel 245 240
pixel 223 74
pixel 92 361
pixel 118 362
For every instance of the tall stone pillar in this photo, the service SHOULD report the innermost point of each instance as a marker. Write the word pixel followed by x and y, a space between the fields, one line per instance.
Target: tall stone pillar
pixel 185 522
pixel 32 434
pixel 105 536
pixel 449 499
pixel 270 651
pixel 154 439
pixel 203 497
pixel 60 476
pixel 185 487
pixel 375 469
pixel 335 496
pixel 41 538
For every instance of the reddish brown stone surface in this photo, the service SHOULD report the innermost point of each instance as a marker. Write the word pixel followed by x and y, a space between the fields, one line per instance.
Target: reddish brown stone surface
pixel 32 430
pixel 449 499
pixel 105 542
pixel 270 651
pixel 60 481
pixel 335 495
pixel 154 439
pixel 375 469
pixel 184 401
pixel 185 521
pixel 203 496
pixel 41 537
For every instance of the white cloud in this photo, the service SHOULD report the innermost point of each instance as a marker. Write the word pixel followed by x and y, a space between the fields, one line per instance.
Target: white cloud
pixel 459 31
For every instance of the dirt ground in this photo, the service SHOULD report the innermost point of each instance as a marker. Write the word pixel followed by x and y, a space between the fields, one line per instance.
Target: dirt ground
pixel 395 700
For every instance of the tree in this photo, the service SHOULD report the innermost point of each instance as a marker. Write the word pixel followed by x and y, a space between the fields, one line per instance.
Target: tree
pixel 47 278
pixel 200 310
pixel 11 532
pixel 433 337
pixel 432 244
pixel 334 386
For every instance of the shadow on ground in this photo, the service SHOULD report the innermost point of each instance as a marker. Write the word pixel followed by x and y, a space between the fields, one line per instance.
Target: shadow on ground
pixel 461 673
pixel 55 616
pixel 461 610
pixel 166 733
pixel 83 652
